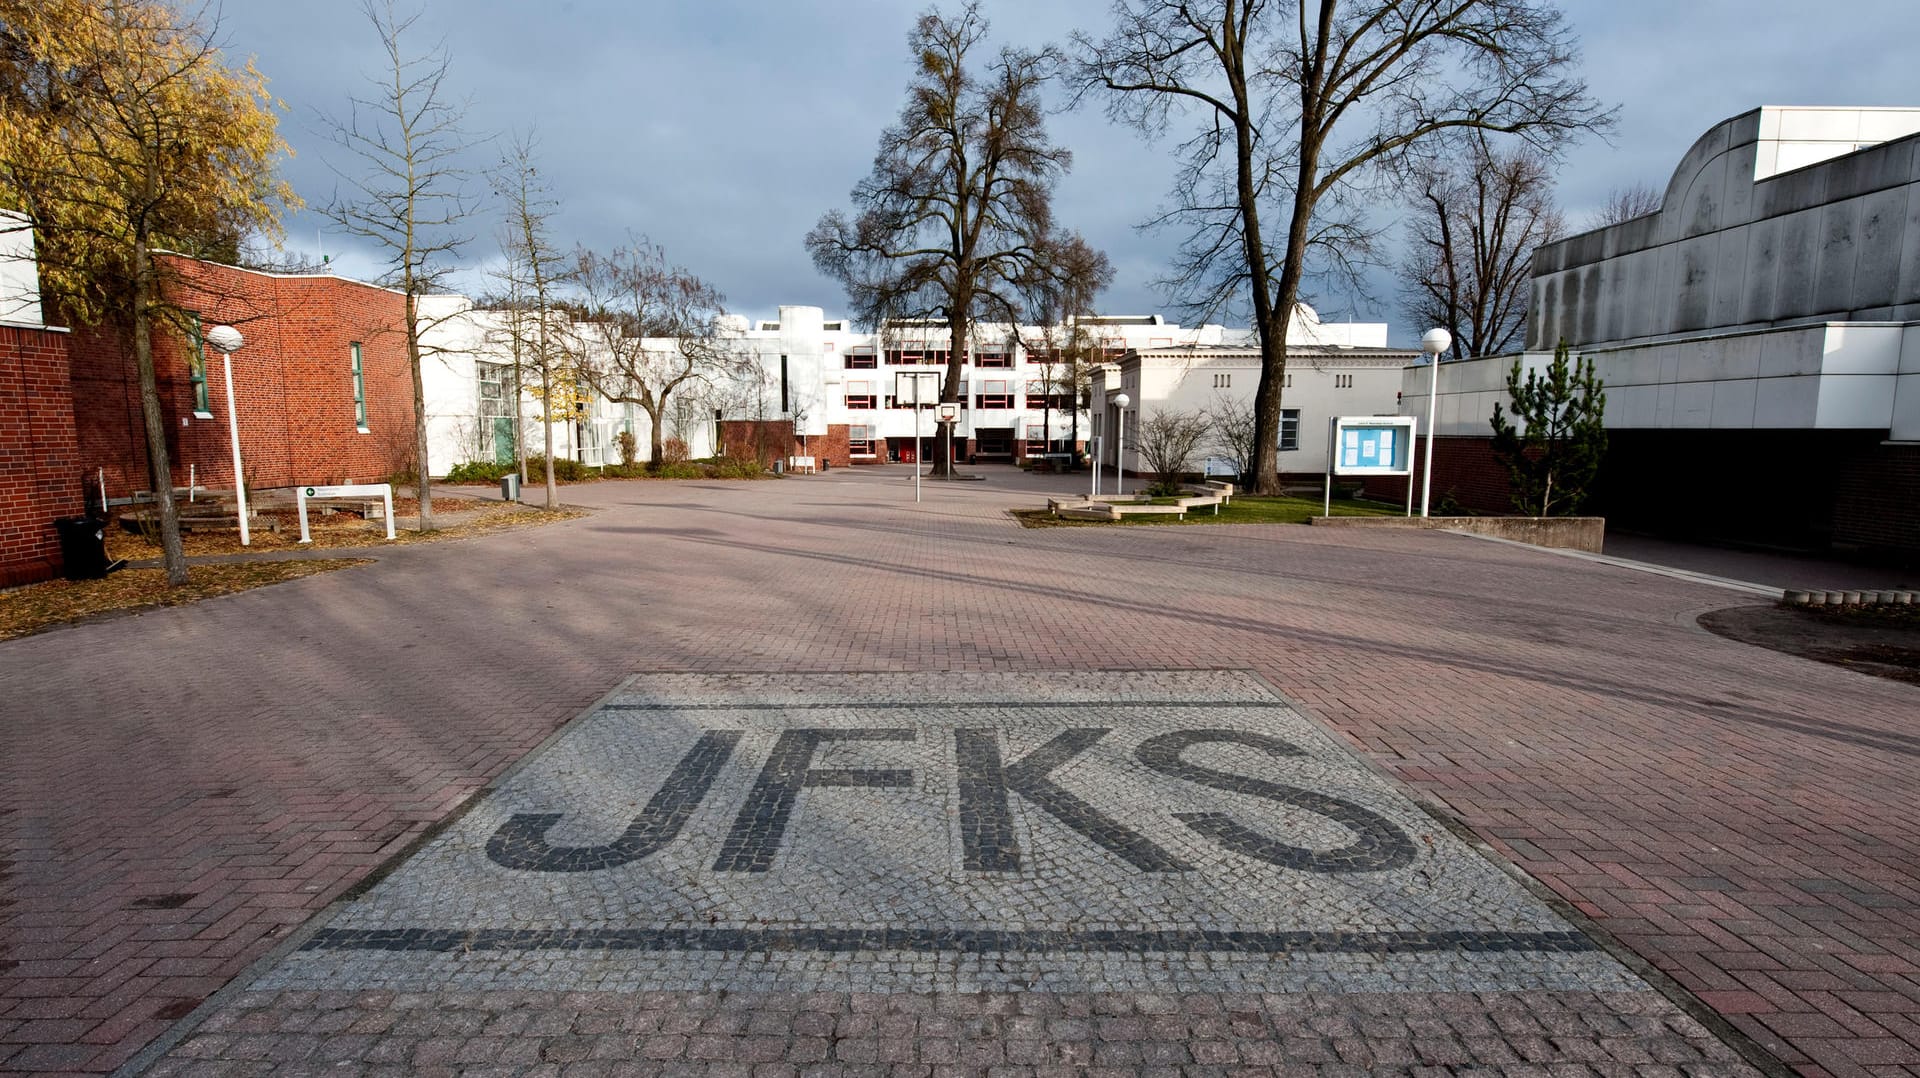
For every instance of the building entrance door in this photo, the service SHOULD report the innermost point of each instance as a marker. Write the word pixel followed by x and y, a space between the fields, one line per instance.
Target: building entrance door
pixel 503 439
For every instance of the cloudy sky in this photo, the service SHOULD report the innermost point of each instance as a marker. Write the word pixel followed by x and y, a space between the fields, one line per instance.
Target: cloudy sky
pixel 723 129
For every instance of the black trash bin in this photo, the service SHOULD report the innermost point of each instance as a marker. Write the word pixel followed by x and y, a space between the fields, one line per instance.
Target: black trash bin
pixel 83 547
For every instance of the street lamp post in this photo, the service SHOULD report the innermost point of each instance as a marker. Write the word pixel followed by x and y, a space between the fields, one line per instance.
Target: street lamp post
pixel 1120 443
pixel 227 340
pixel 1435 344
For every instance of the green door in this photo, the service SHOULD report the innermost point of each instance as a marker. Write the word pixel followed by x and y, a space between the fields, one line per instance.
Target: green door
pixel 503 439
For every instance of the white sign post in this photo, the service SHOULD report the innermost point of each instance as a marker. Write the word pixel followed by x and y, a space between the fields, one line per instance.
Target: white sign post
pixel 918 390
pixel 1368 445
pixel 362 490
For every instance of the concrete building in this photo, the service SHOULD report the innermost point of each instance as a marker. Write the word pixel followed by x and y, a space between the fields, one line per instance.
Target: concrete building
pixel 837 387
pixel 467 378
pixel 1333 369
pixel 1758 338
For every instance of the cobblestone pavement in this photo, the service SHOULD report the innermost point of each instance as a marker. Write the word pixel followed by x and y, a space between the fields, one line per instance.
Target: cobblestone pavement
pixel 182 789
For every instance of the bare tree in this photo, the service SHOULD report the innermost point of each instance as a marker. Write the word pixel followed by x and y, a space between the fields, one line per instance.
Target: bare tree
pixel 1233 430
pixel 1167 441
pixel 1470 242
pixel 955 221
pixel 1625 204
pixel 656 330
pixel 1300 105
pixel 405 137
pixel 543 340
pixel 1061 296
pixel 123 131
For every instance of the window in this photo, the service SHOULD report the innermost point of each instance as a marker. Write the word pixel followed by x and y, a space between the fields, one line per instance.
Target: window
pixel 833 327
pixel 1036 439
pixel 197 368
pixel 1343 381
pixel 1289 381
pixel 860 441
pixel 1037 394
pixel 1289 428
pixel 862 361
pixel 496 388
pixel 359 388
pixel 993 359
pixel 909 352
pixel 995 395
pixel 1223 381
pixel 860 395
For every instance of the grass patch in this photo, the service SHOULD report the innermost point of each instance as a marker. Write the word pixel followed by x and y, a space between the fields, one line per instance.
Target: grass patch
pixel 1244 509
pixel 40 607
pixel 342 530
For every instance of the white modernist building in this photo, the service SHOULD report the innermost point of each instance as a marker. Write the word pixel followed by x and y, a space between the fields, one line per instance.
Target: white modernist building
pixel 842 386
pixel 1333 369
pixel 837 388
pixel 474 412
pixel 1758 336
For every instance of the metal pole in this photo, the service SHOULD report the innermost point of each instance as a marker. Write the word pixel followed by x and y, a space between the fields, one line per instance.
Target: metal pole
pixel 1093 440
pixel 1119 452
pixel 1333 446
pixel 917 455
pixel 233 429
pixel 107 510
pixel 1433 399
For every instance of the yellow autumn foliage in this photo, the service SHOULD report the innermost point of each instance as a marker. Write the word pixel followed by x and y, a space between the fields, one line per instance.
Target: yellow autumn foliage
pixel 122 127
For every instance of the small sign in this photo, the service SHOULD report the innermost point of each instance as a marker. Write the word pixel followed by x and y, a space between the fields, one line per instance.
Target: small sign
pixel 1372 445
pixel 382 491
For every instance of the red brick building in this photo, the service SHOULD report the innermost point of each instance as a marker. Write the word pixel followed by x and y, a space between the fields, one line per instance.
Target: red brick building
pixel 322 386
pixel 39 457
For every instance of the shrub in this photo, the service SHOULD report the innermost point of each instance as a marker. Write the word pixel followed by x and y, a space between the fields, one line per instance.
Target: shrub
pixel 629 447
pixel 681 470
pixel 565 469
pixel 673 451
pixel 737 468
pixel 479 471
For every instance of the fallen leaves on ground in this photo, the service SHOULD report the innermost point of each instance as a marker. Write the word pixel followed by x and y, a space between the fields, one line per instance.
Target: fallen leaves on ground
pixel 342 529
pixel 43 606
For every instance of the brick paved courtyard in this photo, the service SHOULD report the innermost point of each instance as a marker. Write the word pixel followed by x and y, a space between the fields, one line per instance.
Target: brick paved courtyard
pixel 185 790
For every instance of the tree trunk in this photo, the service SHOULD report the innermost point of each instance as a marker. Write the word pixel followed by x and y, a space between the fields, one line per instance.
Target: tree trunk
pixel 546 396
pixel 949 389
pixel 1273 344
pixel 173 552
pixel 423 488
pixel 655 438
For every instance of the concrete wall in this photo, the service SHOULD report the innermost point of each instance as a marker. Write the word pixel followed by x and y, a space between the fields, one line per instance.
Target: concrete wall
pixel 1747 240
pixel 1819 376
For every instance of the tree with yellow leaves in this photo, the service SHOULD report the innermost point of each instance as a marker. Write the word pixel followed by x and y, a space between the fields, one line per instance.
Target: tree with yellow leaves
pixel 124 131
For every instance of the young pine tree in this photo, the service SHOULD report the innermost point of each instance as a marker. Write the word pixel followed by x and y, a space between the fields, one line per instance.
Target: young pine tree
pixel 1554 452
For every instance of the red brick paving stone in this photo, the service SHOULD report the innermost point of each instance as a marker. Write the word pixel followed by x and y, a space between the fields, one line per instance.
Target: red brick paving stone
pixel 1572 715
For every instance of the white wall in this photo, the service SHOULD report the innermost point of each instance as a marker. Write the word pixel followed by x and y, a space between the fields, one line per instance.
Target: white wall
pixel 1825 376
pixel 1743 243
pixel 19 272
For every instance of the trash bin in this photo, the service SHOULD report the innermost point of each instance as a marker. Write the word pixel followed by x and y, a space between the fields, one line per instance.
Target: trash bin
pixel 83 547
pixel 510 486
pixel 779 467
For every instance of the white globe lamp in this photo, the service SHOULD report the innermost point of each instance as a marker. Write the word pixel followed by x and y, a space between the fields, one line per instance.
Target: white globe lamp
pixel 1434 343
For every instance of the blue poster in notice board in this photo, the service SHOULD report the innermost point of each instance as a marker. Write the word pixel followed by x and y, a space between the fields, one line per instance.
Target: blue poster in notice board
pixel 1372 445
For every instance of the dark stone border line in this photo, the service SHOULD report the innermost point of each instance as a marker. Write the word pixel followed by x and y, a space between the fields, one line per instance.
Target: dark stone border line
pixel 957 705
pixel 951 940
